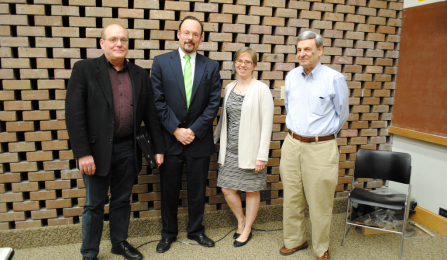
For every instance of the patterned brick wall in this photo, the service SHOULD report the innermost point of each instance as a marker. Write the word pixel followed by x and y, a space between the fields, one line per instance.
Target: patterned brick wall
pixel 40 41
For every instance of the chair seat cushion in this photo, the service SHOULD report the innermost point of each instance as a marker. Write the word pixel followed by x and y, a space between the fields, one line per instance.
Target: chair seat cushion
pixel 391 201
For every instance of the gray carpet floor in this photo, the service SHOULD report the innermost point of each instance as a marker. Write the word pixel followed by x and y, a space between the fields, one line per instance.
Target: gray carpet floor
pixel 265 245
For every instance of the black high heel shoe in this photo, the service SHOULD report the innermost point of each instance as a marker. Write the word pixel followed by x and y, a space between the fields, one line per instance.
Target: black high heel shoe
pixel 239 244
pixel 236 235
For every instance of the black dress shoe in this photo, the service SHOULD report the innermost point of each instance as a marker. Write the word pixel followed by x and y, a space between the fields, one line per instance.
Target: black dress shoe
pixel 165 244
pixel 239 244
pixel 125 249
pixel 236 235
pixel 89 258
pixel 202 239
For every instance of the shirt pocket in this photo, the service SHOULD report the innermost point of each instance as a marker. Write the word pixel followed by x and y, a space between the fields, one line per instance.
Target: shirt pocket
pixel 320 105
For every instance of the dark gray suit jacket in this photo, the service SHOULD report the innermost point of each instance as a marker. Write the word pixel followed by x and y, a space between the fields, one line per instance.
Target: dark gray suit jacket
pixel 170 100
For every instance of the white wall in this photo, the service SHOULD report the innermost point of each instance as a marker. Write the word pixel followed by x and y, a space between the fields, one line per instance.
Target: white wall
pixel 429 171
pixel 413 3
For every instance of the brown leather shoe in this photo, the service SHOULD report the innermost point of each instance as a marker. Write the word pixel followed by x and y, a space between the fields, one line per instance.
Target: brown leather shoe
pixel 286 251
pixel 326 256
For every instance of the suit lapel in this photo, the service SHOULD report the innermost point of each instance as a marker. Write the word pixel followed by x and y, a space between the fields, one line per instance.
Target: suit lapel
pixel 135 80
pixel 104 79
pixel 176 67
pixel 198 74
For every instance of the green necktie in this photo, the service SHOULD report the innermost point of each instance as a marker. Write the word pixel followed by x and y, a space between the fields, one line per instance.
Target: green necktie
pixel 187 79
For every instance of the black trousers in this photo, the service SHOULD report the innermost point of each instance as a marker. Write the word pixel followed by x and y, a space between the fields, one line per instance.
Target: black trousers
pixel 120 180
pixel 171 182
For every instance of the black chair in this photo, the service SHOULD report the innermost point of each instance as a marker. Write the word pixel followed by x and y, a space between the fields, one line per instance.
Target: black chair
pixel 383 165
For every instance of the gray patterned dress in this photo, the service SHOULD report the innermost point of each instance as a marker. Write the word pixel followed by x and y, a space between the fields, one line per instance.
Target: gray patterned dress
pixel 230 175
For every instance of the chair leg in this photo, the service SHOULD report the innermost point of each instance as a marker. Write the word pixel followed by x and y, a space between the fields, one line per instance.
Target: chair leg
pixel 345 233
pixel 404 226
pixel 406 216
pixel 403 236
pixel 402 246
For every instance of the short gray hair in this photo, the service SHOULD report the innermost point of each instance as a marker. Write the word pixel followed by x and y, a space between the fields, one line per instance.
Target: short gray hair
pixel 311 35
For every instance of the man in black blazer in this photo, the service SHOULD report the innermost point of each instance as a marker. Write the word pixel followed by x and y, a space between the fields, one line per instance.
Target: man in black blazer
pixel 107 100
pixel 187 115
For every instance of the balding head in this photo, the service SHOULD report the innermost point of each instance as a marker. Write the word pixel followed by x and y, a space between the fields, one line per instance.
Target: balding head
pixel 104 30
pixel 115 43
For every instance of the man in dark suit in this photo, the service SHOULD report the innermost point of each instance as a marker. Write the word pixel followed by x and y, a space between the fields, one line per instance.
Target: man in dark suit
pixel 107 100
pixel 187 91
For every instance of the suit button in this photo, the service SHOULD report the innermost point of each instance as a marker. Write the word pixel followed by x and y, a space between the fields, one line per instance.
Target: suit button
pixel 184 122
pixel 184 108
pixel 112 124
pixel 111 141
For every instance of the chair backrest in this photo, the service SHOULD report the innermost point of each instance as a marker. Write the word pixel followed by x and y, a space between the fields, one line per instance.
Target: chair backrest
pixel 383 165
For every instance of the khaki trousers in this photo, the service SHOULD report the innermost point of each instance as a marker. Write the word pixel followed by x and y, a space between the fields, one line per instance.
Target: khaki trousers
pixel 309 172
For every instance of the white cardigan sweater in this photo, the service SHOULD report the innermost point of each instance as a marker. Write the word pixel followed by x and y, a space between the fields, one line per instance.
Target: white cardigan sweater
pixel 255 127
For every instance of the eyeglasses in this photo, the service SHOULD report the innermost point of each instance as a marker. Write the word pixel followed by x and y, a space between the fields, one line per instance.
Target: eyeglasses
pixel 114 40
pixel 245 62
pixel 194 35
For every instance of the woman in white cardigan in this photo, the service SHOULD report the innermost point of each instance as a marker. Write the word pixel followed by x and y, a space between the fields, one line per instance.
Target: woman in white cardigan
pixel 244 129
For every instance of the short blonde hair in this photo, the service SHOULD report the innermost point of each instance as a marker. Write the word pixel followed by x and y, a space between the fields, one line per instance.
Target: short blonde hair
pixel 248 50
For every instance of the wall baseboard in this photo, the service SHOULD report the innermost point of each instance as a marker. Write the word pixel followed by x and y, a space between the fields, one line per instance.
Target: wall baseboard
pixel 429 219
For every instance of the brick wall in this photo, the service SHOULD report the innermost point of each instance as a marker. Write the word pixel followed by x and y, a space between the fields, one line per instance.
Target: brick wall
pixel 40 41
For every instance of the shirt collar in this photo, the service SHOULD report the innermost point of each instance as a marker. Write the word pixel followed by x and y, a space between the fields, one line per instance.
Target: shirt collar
pixel 193 56
pixel 314 73
pixel 111 65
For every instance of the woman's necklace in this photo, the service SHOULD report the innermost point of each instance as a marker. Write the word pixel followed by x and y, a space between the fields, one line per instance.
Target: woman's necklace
pixel 241 88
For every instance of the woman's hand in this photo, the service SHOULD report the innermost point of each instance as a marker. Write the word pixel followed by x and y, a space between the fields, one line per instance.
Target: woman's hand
pixel 260 165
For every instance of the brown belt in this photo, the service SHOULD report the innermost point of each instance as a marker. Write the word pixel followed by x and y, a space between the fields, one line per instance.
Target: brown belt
pixel 311 139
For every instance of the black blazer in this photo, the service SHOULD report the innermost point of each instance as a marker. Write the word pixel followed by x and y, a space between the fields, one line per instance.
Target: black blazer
pixel 90 117
pixel 170 101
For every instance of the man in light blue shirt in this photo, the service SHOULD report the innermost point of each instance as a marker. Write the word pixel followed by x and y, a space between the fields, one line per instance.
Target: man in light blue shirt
pixel 316 100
